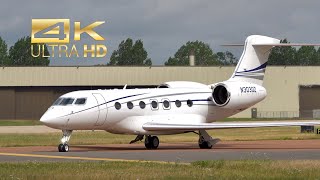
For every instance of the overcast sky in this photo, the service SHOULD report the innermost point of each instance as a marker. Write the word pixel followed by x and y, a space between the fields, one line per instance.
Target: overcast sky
pixel 164 25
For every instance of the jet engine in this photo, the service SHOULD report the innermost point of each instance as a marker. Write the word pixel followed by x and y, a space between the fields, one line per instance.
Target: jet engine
pixel 220 95
pixel 237 95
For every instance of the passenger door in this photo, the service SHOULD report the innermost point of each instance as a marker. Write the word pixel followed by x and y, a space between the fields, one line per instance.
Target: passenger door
pixel 102 107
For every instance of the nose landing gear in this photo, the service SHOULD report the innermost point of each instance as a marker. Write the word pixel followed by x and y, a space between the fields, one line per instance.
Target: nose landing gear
pixel 64 147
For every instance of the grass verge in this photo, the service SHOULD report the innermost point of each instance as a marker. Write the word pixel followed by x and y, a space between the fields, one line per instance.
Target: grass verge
pixel 245 169
pixel 20 122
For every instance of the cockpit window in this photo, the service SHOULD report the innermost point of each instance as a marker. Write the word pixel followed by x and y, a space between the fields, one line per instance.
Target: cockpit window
pixel 66 101
pixel 80 101
pixel 57 102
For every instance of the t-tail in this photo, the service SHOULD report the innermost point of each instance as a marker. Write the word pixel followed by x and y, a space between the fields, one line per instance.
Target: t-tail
pixel 254 59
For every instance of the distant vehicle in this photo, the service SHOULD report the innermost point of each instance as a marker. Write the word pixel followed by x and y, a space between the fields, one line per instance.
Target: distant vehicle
pixel 172 108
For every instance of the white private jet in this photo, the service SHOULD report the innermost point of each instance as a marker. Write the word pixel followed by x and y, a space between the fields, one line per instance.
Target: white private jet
pixel 172 108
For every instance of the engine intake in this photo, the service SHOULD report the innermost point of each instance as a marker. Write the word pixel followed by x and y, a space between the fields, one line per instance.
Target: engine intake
pixel 237 95
pixel 220 95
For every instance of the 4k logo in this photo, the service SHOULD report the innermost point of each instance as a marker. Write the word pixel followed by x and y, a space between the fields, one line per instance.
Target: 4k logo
pixel 60 28
pixel 57 35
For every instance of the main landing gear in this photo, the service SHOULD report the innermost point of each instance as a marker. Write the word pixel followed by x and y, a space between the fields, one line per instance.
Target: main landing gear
pixel 150 142
pixel 64 147
pixel 205 140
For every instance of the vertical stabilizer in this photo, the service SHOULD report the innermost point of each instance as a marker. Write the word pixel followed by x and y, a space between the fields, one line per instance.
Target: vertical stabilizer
pixel 253 61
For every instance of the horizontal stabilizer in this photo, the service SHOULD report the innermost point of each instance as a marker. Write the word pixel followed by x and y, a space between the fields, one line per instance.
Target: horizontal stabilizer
pixel 286 44
pixel 225 125
pixel 232 45
pixel 276 44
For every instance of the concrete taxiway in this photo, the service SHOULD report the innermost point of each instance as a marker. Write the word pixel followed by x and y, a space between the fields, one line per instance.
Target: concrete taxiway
pixel 182 152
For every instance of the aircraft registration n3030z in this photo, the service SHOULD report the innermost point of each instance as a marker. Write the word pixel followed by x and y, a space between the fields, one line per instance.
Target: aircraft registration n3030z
pixel 174 107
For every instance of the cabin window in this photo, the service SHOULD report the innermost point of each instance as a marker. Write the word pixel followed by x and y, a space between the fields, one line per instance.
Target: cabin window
pixel 166 104
pixel 178 103
pixel 66 101
pixel 80 101
pixel 142 104
pixel 130 105
pixel 154 104
pixel 117 105
pixel 189 103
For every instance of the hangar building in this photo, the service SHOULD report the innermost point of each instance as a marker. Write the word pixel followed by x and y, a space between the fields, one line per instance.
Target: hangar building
pixel 26 92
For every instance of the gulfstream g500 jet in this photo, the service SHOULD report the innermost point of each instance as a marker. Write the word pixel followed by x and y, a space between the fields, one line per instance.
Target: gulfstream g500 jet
pixel 173 107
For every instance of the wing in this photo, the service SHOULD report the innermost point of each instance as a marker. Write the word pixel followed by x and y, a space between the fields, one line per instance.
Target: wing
pixel 225 125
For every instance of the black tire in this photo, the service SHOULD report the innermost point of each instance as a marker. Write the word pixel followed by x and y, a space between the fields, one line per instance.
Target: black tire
pixel 205 145
pixel 147 142
pixel 154 142
pixel 60 148
pixel 208 145
pixel 201 143
pixel 148 146
pixel 65 148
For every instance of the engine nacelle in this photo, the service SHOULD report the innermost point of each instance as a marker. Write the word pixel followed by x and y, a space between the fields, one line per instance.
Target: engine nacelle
pixel 237 95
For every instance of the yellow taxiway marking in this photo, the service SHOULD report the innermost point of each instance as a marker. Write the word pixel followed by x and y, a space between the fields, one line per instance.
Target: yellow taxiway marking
pixel 84 158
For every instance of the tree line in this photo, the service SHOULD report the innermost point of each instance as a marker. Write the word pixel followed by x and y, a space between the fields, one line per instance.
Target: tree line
pixel 290 56
pixel 133 53
pixel 20 54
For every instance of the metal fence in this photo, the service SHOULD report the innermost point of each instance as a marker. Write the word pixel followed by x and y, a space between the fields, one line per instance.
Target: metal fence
pixel 314 114
pixel 278 114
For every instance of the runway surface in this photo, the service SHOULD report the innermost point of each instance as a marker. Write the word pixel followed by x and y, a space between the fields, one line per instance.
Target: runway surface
pixel 182 152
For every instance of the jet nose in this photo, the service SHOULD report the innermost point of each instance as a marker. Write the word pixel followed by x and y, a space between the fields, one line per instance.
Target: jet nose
pixel 44 119
pixel 54 119
pixel 49 119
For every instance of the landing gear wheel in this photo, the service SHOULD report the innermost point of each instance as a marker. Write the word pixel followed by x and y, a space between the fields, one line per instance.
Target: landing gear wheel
pixel 205 145
pixel 155 142
pixel 66 148
pixel 60 147
pixel 147 143
pixel 63 147
pixel 151 142
pixel 205 140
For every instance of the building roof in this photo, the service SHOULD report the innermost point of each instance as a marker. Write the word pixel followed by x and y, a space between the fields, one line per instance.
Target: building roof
pixel 117 76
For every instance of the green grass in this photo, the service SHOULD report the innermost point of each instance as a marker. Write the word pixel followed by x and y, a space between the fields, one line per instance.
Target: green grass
pixel 245 169
pixel 101 137
pixel 19 122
